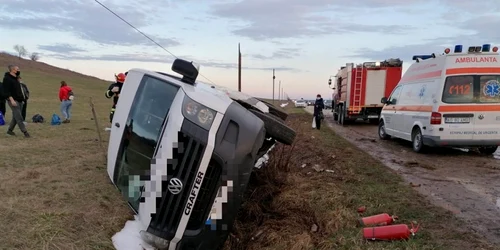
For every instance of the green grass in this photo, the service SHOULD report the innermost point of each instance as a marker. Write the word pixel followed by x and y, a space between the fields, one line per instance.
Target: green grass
pixel 288 199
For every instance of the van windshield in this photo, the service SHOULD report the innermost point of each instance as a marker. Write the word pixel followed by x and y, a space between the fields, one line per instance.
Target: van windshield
pixel 472 89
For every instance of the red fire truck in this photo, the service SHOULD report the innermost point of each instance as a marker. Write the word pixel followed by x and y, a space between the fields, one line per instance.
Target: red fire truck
pixel 358 89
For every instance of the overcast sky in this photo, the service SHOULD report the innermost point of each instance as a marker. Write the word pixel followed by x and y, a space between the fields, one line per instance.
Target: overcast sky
pixel 306 41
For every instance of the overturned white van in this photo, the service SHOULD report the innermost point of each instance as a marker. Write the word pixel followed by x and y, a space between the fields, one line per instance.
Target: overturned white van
pixel 181 153
pixel 447 100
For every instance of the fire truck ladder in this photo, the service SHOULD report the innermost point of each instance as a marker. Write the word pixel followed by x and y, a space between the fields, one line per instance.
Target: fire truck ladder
pixel 358 85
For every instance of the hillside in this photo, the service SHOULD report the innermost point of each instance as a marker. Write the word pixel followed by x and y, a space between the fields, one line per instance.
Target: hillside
pixel 40 67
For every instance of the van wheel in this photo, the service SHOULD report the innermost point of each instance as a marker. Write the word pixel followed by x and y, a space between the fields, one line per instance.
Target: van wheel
pixel 381 131
pixel 417 140
pixel 276 128
pixel 488 150
pixel 373 121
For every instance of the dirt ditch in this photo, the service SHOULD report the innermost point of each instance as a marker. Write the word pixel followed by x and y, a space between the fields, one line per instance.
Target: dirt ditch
pixel 308 194
pixel 465 183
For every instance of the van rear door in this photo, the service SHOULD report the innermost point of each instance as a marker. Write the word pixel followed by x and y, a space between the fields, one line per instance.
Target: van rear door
pixel 487 110
pixel 458 96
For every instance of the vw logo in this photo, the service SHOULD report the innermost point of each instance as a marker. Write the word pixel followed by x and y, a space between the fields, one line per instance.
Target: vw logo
pixel 175 186
pixel 480 117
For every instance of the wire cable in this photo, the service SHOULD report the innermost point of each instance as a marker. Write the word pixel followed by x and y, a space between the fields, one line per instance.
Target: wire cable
pixel 142 33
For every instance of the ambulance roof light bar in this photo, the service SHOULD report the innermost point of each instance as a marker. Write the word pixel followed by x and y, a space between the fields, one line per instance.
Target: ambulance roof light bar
pixel 418 58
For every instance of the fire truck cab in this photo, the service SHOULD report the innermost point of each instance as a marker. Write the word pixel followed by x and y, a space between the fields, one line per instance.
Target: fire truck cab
pixel 448 100
pixel 357 89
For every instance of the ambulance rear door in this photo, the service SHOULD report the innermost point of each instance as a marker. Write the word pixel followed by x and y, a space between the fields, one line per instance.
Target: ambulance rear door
pixel 457 98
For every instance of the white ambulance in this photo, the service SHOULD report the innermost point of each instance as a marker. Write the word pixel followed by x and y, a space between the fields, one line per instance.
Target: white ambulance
pixel 448 100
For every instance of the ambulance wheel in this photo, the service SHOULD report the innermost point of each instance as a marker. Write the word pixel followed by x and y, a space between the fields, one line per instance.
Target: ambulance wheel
pixel 276 128
pixel 488 150
pixel 417 140
pixel 381 131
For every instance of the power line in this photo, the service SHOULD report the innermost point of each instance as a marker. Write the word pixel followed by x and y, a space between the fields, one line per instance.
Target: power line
pixel 142 33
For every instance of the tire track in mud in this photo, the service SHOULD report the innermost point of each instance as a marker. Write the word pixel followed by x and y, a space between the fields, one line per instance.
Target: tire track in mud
pixel 465 183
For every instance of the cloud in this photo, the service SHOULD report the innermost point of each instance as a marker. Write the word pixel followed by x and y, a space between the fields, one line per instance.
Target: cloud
pixel 283 53
pixel 271 19
pixel 142 57
pixel 63 48
pixel 476 31
pixel 86 19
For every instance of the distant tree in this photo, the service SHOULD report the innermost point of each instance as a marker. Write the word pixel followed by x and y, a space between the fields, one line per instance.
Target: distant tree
pixel 20 50
pixel 35 56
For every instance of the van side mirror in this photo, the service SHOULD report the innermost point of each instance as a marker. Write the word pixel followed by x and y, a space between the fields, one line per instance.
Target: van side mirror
pixel 383 100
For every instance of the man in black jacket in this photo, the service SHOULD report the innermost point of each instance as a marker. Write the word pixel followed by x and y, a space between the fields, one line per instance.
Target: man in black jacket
pixel 26 95
pixel 14 93
pixel 2 101
pixel 319 105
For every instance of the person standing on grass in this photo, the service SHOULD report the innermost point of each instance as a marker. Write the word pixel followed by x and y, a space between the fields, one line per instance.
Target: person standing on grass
pixel 14 93
pixel 319 105
pixel 114 91
pixel 3 102
pixel 27 95
pixel 66 102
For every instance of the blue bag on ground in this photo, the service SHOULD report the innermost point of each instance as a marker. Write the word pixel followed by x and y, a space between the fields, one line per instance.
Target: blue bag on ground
pixel 2 120
pixel 56 120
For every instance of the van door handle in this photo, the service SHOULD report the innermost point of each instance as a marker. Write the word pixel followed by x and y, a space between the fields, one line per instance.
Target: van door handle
pixel 117 124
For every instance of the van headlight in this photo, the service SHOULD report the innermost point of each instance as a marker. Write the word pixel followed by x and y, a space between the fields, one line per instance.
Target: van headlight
pixel 198 113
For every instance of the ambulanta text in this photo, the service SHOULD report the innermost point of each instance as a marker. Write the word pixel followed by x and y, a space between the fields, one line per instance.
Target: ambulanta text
pixel 483 59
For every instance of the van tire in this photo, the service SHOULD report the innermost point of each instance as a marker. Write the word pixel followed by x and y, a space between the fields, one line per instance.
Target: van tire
pixel 417 140
pixel 382 134
pixel 276 128
pixel 488 150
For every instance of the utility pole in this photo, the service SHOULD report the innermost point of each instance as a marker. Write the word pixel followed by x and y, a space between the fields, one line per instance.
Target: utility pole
pixel 279 89
pixel 274 77
pixel 239 68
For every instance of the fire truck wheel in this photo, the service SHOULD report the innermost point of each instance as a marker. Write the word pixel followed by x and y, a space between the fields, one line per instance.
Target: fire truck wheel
pixel 381 131
pixel 275 128
pixel 417 140
pixel 488 150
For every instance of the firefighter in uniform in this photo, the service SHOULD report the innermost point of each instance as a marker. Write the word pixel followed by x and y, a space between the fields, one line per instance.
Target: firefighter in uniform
pixel 114 91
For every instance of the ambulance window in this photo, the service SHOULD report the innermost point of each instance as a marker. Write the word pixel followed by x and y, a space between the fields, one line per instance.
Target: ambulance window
pixel 458 89
pixel 395 95
pixel 489 89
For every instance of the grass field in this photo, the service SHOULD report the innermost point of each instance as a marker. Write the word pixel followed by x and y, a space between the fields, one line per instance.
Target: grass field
pixel 56 193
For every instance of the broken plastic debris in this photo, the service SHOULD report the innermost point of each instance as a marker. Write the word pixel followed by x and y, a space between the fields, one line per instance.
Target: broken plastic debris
pixel 129 237
pixel 303 165
pixel 318 168
pixel 361 209
pixel 329 171
pixel 314 228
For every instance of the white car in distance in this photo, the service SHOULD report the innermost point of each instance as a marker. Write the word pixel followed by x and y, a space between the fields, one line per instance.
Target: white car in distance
pixel 300 104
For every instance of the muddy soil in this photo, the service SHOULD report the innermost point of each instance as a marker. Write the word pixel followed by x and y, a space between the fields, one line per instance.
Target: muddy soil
pixel 466 183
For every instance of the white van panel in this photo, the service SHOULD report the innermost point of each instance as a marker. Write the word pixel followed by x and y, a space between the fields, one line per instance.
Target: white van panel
pixel 375 86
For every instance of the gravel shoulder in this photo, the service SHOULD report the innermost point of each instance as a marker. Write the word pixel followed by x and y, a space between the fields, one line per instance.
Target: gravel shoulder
pixel 465 183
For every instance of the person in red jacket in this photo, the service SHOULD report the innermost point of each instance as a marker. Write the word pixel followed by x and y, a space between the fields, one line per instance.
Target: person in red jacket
pixel 66 98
